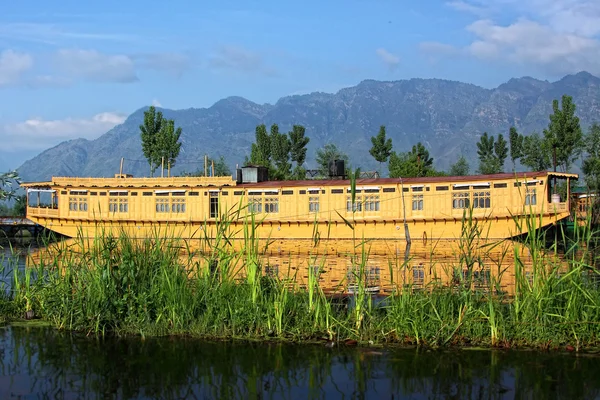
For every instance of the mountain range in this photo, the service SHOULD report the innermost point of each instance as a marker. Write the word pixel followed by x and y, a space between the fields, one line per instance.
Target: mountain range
pixel 448 117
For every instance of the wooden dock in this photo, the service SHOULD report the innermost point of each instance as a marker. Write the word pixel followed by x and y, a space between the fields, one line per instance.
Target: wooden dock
pixel 15 226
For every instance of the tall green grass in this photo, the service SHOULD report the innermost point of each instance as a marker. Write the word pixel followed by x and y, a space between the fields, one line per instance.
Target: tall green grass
pixel 163 286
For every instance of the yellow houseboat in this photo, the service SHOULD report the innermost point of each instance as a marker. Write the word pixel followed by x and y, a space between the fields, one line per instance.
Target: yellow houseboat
pixel 295 215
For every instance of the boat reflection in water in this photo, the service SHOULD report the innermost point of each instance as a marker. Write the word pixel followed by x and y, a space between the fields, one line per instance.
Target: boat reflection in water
pixel 483 264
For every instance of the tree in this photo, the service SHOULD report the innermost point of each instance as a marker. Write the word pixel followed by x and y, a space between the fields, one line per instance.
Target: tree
pixel 168 144
pixel 460 167
pixel 329 153
pixel 7 179
pixel 535 154
pixel 150 131
pixel 280 153
pixel 591 164
pixel 491 153
pixel 260 153
pixel 415 163
pixel 563 135
pixel 20 206
pixel 221 168
pixel 382 147
pixel 516 145
pixel 298 144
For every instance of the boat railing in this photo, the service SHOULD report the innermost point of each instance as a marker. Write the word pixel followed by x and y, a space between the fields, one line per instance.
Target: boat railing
pixel 559 207
pixel 42 211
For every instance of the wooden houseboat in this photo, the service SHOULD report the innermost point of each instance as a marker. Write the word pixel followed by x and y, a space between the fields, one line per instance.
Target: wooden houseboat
pixel 295 215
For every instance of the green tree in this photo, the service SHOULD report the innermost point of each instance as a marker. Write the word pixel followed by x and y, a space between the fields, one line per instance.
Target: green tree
pixel 591 164
pixel 260 153
pixel 280 153
pixel 382 147
pixel 7 179
pixel 491 153
pixel 460 167
pixel 415 163
pixel 516 145
pixel 298 144
pixel 535 154
pixel 168 145
pixel 563 135
pixel 221 168
pixel 328 153
pixel 150 132
pixel 20 206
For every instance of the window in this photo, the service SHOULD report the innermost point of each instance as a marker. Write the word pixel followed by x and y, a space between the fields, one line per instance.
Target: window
pixel 530 196
pixel 460 200
pixel 78 204
pixel 214 204
pixel 271 204
pixel 419 275
pixel 118 205
pixel 417 202
pixel 313 204
pixel 255 205
pixel 441 188
pixel 356 206
pixel 371 203
pixel 178 205
pixel 481 199
pixel 162 205
pixel 389 190
pixel 287 192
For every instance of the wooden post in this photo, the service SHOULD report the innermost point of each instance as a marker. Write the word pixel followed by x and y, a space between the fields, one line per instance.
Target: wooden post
pixel 169 169
pixel 162 167
pixel 213 168
pixel 206 165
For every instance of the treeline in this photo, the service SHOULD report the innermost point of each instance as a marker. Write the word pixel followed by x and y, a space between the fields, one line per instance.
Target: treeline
pixel 558 147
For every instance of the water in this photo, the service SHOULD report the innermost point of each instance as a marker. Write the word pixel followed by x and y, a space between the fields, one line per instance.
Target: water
pixel 44 363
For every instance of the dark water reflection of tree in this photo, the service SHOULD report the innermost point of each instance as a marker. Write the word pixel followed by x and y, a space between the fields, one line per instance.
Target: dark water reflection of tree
pixel 53 364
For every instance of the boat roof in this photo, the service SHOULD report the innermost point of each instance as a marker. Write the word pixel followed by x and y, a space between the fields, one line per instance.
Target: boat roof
pixel 215 181
pixel 410 181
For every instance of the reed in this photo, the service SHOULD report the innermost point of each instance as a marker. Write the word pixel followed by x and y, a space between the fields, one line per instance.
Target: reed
pixel 162 286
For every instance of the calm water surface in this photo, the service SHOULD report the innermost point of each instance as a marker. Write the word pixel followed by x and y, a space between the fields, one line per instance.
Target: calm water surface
pixel 44 363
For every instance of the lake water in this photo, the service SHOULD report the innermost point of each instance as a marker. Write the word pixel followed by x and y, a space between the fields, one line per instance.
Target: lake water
pixel 45 363
pixel 38 362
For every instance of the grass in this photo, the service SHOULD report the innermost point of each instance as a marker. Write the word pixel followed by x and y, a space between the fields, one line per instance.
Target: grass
pixel 161 286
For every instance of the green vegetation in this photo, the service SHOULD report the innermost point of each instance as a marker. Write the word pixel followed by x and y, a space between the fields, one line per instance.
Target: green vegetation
pixel 160 140
pixel 276 150
pixel 460 167
pixel 415 163
pixel 325 155
pixel 492 154
pixel 221 168
pixel 382 147
pixel 160 286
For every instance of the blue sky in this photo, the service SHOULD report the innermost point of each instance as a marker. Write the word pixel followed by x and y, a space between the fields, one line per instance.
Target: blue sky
pixel 75 69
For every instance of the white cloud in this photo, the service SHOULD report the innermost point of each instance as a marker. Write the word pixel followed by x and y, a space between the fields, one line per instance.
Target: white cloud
pixel 95 66
pixel 52 34
pixel 468 7
pixel 172 63
pixel 38 133
pixel 557 36
pixel 240 59
pixel 391 60
pixel 156 103
pixel 12 66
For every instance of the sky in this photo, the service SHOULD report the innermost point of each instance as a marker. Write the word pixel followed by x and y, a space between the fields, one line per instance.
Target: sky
pixel 71 68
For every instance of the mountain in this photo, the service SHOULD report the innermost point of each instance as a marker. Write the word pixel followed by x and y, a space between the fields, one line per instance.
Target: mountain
pixel 446 116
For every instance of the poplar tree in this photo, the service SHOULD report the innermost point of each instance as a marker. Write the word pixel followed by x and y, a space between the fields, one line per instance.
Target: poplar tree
pixel 516 145
pixel 563 135
pixel 382 147
pixel 150 130
pixel 298 144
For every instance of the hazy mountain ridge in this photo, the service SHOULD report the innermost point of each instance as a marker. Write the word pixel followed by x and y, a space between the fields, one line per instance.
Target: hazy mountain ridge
pixel 447 116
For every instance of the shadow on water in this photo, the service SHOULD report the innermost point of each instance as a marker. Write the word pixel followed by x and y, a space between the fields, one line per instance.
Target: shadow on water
pixel 46 363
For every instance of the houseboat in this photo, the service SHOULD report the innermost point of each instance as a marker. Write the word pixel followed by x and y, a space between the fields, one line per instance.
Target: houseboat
pixel 296 215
